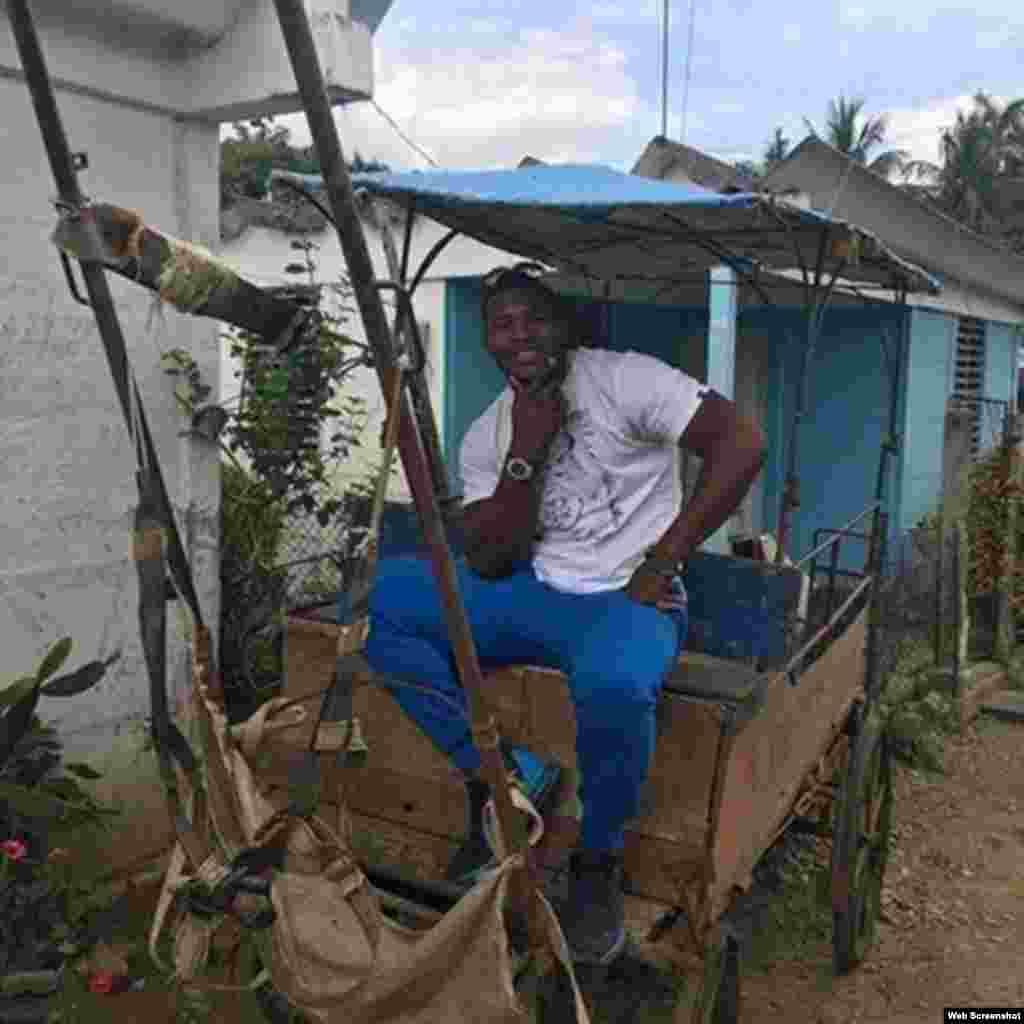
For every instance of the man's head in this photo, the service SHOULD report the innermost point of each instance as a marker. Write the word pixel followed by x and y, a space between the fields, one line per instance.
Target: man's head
pixel 528 327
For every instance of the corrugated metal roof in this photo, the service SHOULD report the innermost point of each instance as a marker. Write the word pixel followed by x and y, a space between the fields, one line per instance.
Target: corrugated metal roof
pixel 662 158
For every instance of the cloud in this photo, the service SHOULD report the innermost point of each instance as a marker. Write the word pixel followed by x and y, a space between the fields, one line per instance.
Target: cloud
pixel 555 94
pixel 919 129
pixel 791 33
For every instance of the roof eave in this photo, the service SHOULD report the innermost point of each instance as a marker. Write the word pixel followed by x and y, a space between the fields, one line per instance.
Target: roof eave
pixel 922 235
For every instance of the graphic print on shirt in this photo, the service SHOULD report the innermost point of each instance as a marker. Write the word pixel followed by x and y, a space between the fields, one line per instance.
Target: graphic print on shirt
pixel 579 498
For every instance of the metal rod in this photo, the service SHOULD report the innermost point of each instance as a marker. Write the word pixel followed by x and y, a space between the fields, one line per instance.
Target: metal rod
pixel 816 301
pixel 664 70
pixel 845 530
pixel 410 220
pixel 309 76
pixel 418 388
pixel 790 487
pixel 795 664
pixel 878 546
pixel 435 250
pixel 940 533
pixel 689 70
pixel 833 565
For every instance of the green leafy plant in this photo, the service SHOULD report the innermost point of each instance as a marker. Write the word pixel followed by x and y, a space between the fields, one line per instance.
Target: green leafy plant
pixel 45 902
pixel 252 586
pixel 919 709
pixel 282 443
pixel 285 406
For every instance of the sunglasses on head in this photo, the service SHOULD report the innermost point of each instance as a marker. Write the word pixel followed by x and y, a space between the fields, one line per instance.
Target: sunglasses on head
pixel 526 276
pixel 521 275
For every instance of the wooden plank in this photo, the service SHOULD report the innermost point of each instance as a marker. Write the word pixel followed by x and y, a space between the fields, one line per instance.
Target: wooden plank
pixel 678 785
pixel 404 780
pixel 771 757
pixel 653 867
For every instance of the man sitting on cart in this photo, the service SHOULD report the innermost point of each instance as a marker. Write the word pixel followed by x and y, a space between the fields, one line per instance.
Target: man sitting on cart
pixel 575 539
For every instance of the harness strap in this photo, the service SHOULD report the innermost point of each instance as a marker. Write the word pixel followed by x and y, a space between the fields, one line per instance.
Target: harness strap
pixel 312 774
pixel 171 746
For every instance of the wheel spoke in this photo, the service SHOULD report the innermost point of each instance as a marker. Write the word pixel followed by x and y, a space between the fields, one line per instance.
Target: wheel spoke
pixel 863 822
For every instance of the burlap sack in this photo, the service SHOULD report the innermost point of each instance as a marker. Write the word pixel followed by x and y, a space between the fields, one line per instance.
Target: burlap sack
pixel 335 955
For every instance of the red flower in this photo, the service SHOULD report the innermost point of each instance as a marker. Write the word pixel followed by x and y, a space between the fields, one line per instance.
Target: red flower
pixel 15 849
pixel 101 982
pixel 105 983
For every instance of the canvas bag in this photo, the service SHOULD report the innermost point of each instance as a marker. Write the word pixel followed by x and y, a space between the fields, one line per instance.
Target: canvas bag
pixel 335 955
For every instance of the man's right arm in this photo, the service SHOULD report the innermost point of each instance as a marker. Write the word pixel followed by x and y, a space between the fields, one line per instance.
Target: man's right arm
pixel 499 531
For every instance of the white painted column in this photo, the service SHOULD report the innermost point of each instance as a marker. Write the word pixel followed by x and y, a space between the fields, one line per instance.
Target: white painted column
pixel 721 353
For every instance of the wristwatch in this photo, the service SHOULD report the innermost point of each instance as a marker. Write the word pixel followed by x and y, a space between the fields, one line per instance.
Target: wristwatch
pixel 662 566
pixel 519 469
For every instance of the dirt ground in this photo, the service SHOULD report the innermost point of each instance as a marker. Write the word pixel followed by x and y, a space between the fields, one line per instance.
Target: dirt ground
pixel 952 932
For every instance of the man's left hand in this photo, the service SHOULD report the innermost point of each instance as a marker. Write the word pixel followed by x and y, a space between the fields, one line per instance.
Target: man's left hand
pixel 651 588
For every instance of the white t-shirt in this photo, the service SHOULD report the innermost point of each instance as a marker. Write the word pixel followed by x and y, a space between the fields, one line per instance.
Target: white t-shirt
pixel 611 487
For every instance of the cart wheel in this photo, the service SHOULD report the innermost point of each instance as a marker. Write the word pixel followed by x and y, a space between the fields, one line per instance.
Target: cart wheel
pixel 860 840
pixel 720 992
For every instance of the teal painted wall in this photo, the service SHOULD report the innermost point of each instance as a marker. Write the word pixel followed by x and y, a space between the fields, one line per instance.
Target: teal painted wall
pixel 844 426
pixel 929 373
pixel 472 378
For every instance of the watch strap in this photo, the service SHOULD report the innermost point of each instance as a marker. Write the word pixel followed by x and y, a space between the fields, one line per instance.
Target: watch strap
pixel 662 566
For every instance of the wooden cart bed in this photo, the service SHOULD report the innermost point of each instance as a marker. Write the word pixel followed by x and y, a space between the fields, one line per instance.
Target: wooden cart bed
pixel 768 736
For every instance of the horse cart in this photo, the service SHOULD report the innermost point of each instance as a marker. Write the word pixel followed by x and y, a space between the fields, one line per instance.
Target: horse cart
pixel 771 718
pixel 769 721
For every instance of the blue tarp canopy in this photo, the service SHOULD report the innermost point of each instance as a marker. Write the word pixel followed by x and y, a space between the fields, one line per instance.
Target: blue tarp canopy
pixel 600 223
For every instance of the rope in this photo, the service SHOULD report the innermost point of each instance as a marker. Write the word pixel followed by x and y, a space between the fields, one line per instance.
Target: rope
pixel 485 735
pixel 212 871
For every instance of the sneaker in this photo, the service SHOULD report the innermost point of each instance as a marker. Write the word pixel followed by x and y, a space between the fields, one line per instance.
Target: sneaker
pixel 537 778
pixel 592 912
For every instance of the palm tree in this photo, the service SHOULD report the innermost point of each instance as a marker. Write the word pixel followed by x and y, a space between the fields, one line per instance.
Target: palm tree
pixel 777 151
pixel 980 154
pixel 852 133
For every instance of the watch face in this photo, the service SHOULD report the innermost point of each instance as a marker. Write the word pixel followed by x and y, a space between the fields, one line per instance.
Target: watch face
pixel 518 469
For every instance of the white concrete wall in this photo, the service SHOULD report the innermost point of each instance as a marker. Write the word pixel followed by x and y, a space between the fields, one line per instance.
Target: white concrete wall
pixel 261 254
pixel 222 61
pixel 140 85
pixel 67 488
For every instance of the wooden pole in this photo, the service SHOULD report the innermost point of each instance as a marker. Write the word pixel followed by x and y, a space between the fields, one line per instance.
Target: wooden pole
pixel 1006 623
pixel 305 62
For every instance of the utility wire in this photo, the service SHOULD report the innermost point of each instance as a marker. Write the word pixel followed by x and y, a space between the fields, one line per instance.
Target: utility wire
pixel 405 138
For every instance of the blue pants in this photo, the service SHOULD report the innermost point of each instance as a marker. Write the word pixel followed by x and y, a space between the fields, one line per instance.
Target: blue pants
pixel 614 651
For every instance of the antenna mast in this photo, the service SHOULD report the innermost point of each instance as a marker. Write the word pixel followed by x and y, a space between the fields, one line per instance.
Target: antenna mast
pixel 689 71
pixel 664 70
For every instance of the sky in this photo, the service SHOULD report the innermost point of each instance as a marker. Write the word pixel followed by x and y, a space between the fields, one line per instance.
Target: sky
pixel 479 85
